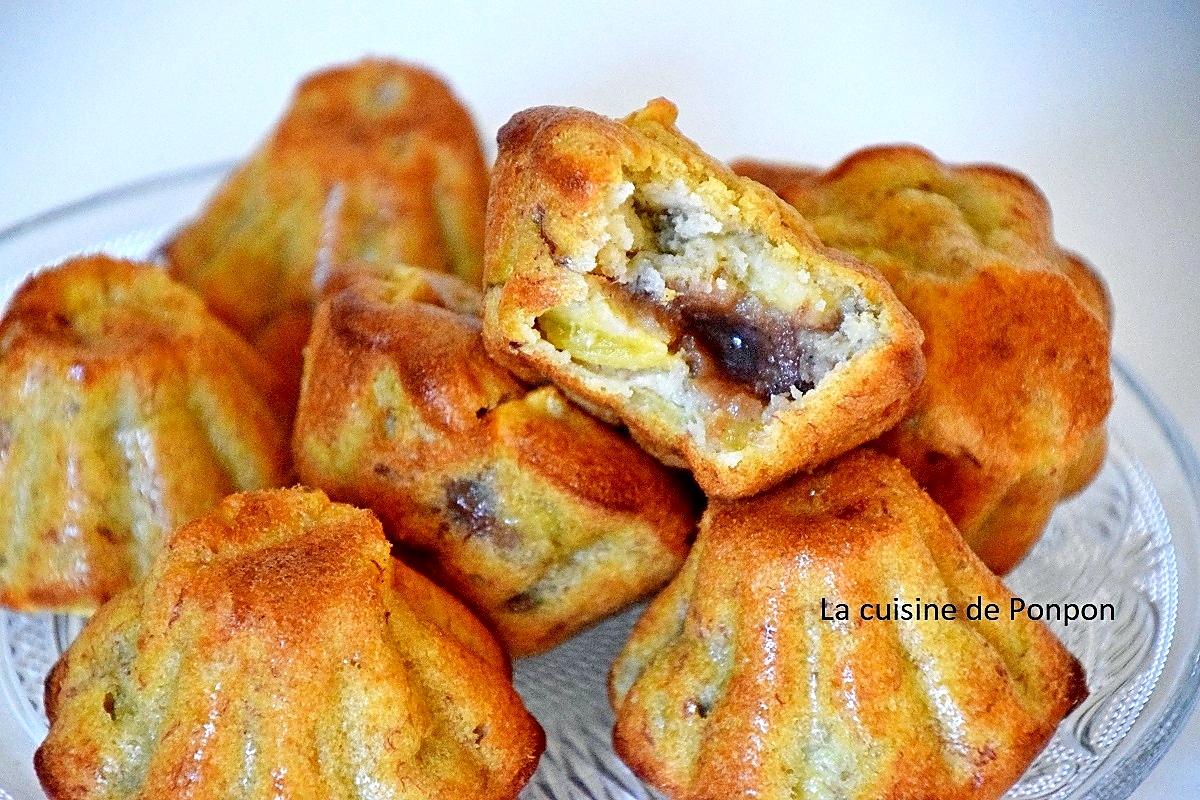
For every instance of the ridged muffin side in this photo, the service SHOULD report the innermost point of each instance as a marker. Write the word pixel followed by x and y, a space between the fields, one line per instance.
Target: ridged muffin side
pixel 277 649
pixel 541 517
pixel 1011 416
pixel 740 681
pixel 126 409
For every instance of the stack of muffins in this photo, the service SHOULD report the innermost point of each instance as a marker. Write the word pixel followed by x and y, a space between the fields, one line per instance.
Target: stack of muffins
pixel 517 405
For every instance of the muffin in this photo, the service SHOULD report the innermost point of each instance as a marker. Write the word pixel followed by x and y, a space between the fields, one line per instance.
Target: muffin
pixel 542 518
pixel 276 649
pixel 376 162
pixel 658 289
pixel 740 681
pixel 125 410
pixel 1011 415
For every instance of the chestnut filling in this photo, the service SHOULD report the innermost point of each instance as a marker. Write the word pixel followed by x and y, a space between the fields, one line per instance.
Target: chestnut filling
pixel 758 351
pixel 688 303
pixel 472 507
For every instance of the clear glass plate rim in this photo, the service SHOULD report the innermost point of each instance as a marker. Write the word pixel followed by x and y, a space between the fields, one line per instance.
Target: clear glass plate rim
pixel 1121 779
pixel 1132 768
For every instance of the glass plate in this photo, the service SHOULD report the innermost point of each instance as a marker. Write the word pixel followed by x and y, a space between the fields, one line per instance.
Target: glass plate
pixel 1130 539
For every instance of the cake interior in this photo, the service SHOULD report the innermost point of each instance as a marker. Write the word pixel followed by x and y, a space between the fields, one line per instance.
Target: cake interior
pixel 700 319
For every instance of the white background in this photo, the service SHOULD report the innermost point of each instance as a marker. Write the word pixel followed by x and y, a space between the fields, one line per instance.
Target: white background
pixel 1101 106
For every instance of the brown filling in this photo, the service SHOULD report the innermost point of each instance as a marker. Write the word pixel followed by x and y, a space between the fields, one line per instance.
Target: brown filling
pixel 471 506
pixel 740 353
pixel 756 349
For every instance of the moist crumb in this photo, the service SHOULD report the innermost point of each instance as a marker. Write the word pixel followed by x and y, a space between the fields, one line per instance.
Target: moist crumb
pixel 745 329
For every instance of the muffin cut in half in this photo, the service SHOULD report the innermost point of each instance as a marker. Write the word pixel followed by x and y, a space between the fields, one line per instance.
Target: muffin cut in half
pixel 1011 415
pixel 276 649
pixel 542 518
pixel 735 683
pixel 375 162
pixel 126 409
pixel 662 291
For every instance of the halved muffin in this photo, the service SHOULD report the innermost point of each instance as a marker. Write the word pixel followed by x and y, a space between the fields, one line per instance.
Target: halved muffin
pixel 660 290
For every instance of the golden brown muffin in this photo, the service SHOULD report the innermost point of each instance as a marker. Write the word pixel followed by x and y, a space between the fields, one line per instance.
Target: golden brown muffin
pixel 1011 415
pixel 402 282
pixel 734 684
pixel 542 518
pixel 277 649
pixel 661 290
pixel 374 162
pixel 126 409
